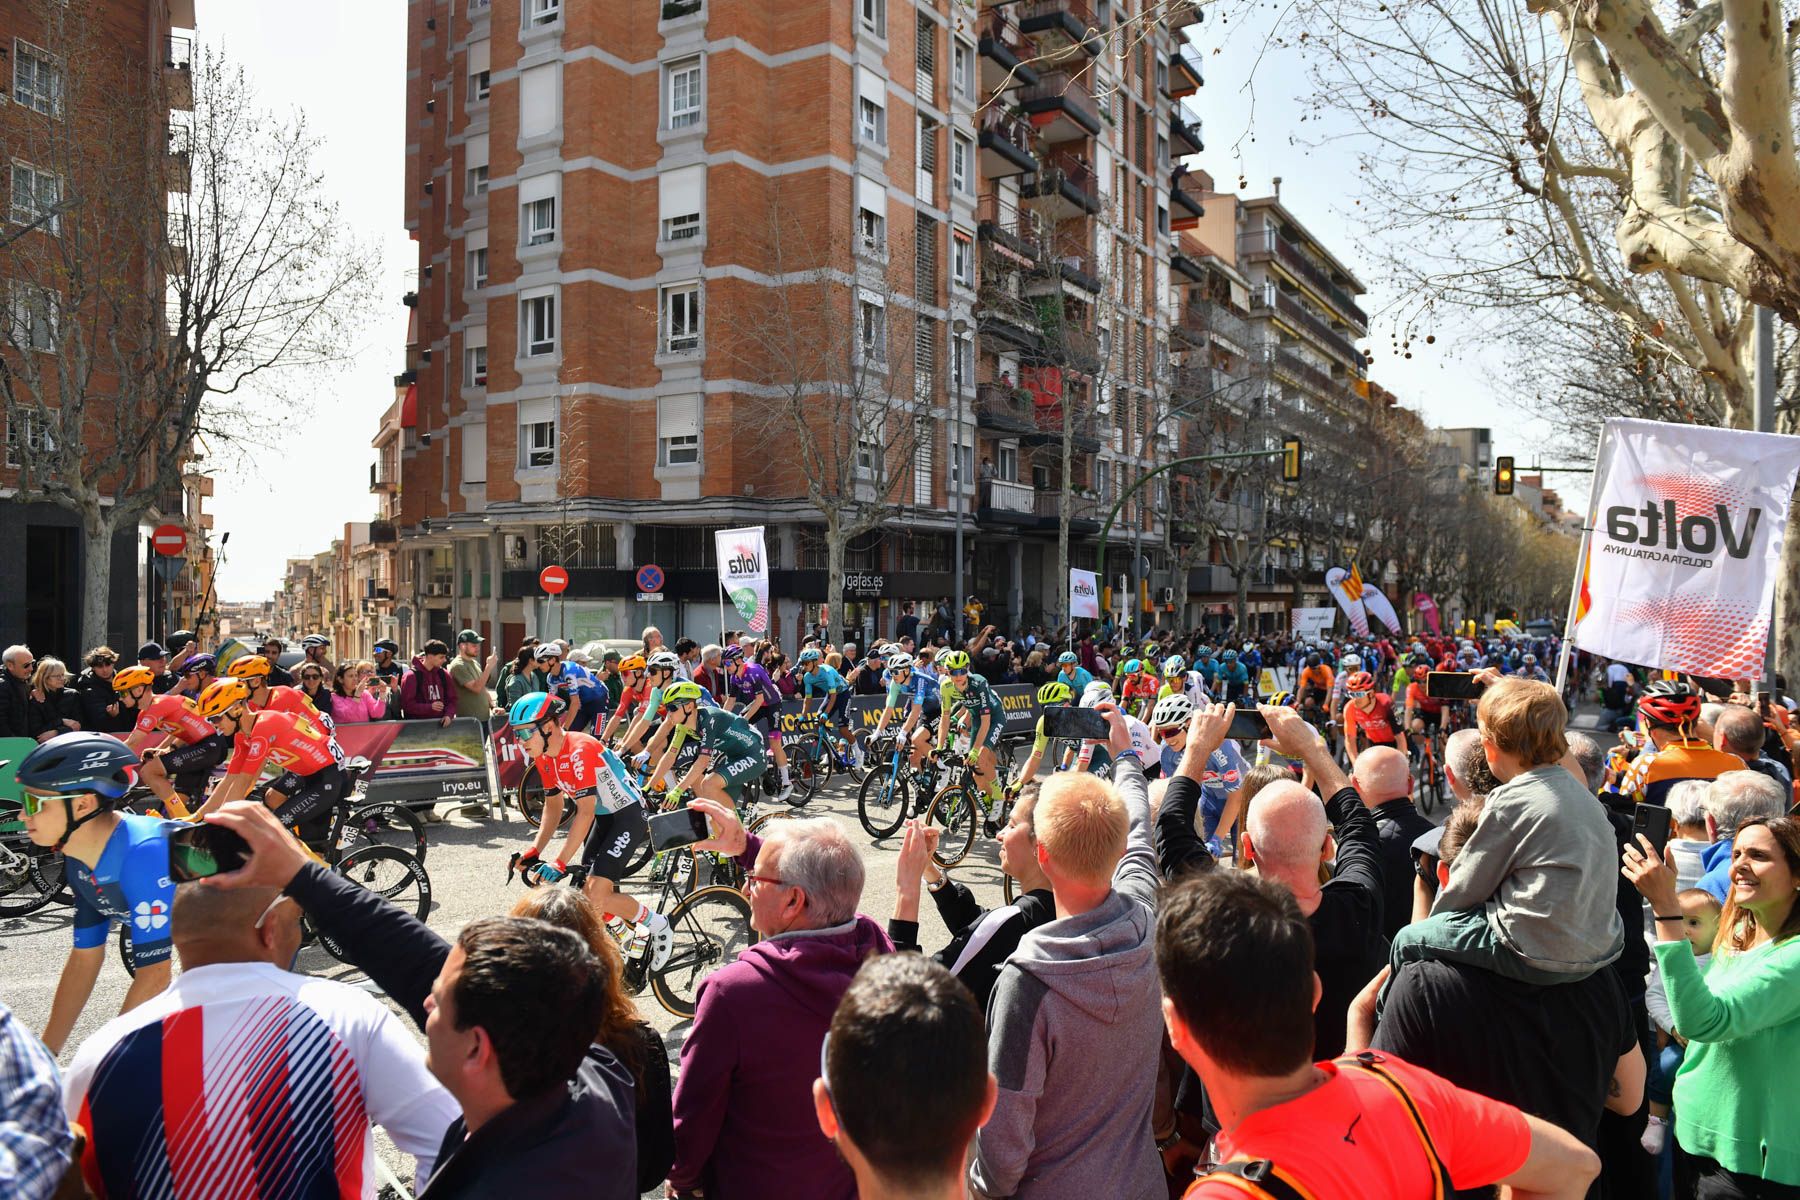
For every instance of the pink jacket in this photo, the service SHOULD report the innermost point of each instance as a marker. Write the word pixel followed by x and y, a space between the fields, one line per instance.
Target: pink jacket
pixel 346 710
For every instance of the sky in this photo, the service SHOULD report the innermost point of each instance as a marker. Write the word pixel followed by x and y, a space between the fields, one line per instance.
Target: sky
pixel 343 64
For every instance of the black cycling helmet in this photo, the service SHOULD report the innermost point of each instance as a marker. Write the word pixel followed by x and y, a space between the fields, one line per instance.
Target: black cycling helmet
pixel 80 764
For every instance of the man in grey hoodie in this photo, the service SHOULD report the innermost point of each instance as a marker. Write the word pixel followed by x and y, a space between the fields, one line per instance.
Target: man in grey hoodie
pixel 1073 1027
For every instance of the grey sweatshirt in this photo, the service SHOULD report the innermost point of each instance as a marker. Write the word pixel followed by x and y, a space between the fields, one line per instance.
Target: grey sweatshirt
pixel 1544 865
pixel 1074 1039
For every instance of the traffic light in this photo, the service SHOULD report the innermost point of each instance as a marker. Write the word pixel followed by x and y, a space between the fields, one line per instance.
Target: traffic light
pixel 1503 476
pixel 1290 460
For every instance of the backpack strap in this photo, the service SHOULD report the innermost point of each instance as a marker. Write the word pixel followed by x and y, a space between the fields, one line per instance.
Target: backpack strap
pixel 1258 1178
pixel 1370 1062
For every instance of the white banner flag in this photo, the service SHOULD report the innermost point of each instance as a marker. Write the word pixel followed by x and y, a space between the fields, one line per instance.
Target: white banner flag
pixel 744 574
pixel 1313 622
pixel 1084 594
pixel 1681 566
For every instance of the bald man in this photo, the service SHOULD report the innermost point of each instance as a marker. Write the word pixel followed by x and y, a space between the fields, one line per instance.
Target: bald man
pixel 237 1032
pixel 1383 778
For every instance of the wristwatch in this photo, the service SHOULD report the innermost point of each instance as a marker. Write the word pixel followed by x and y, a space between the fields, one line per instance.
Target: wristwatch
pixel 1165 1144
pixel 937 885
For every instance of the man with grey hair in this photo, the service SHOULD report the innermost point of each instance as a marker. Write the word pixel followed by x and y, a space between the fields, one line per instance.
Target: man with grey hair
pixel 1739 730
pixel 1589 757
pixel 1689 837
pixel 743 1104
pixel 18 716
pixel 1732 799
pixel 1466 767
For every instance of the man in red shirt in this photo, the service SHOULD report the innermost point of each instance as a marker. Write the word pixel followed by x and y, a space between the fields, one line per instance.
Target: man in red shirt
pixel 1369 717
pixel 1365 1127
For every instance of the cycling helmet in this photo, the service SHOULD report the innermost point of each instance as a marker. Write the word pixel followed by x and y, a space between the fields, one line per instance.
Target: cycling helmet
pixel 1067 658
pixel 634 663
pixel 1352 662
pixel 219 696
pixel 1669 702
pixel 733 653
pixel 545 651
pixel 1173 665
pixel 1096 693
pixel 200 662
pixel 388 644
pixel 73 764
pixel 1360 683
pixel 250 666
pixel 662 660
pixel 127 678
pixel 1282 700
pixel 1170 711
pixel 1055 692
pixel 1312 660
pixel 534 707
pixel 900 660
pixel 806 656
pixel 1132 666
pixel 954 660
pixel 1229 656
pixel 1421 659
pixel 682 693
pixel 1531 660
pixel 314 641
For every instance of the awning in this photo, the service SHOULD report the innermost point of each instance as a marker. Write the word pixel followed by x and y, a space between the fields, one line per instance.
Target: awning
pixel 409 408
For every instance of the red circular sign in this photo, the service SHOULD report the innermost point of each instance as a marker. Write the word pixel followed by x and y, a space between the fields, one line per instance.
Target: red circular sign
pixel 553 580
pixel 169 540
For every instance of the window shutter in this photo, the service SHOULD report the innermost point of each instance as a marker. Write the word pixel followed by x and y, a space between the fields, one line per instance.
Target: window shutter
pixel 678 416
pixel 871 86
pixel 539 187
pixel 872 195
pixel 538 411
pixel 681 192
pixel 478 56
pixel 475 239
pixel 540 90
pixel 922 464
pixel 474 453
pixel 475 151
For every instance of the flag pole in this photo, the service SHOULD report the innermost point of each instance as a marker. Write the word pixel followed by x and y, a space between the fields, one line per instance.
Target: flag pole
pixel 1581 557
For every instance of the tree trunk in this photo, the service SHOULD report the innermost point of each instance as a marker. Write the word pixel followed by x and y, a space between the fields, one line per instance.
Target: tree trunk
pixel 96 575
pixel 1242 579
pixel 1787 598
pixel 834 575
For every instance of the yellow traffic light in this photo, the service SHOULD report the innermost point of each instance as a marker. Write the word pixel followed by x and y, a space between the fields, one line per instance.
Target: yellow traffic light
pixel 1503 476
pixel 1290 460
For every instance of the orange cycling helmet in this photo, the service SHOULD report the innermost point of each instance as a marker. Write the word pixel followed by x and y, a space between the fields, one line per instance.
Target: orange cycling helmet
pixel 250 666
pixel 131 677
pixel 1362 681
pixel 634 663
pixel 219 695
pixel 1670 702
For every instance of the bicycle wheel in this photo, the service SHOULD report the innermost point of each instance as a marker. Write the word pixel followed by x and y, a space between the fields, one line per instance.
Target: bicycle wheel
pixel 529 800
pixel 1009 888
pixel 881 803
pixel 30 876
pixel 711 927
pixel 808 772
pixel 390 873
pixel 954 810
pixel 1425 777
pixel 385 824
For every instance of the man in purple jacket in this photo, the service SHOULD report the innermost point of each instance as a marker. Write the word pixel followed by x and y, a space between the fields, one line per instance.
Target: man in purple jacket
pixel 745 1127
pixel 425 692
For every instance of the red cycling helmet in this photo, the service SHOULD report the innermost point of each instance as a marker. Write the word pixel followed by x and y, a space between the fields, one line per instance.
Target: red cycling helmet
pixel 1670 702
pixel 1362 681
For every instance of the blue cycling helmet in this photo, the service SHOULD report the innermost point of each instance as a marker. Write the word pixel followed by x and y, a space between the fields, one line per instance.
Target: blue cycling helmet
pixel 1228 656
pixel 199 662
pixel 78 764
pixel 534 707
pixel 1132 666
pixel 1173 665
pixel 1067 658
pixel 732 653
pixel 809 656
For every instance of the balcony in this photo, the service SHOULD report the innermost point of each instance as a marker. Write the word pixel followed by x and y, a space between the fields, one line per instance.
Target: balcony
pixel 1001 224
pixel 1085 513
pixel 1296 314
pixel 1005 143
pixel 1063 187
pixel 178 73
pixel 381 482
pixel 1222 324
pixel 1061 107
pixel 1182 13
pixel 177 169
pixel 1261 245
pixel 1185 266
pixel 1078 267
pixel 1060 23
pixel 1184 133
pixel 1004 502
pixel 1083 431
pixel 1004 409
pixel 1004 53
pixel 1185 75
pixel 1185 206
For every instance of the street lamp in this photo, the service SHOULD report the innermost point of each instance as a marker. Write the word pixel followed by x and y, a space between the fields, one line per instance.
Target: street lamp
pixel 958 327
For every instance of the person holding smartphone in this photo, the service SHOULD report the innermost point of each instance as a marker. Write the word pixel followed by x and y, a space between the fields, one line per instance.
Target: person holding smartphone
pixel 116 864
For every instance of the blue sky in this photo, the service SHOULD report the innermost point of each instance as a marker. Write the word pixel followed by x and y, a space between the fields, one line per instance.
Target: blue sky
pixel 344 64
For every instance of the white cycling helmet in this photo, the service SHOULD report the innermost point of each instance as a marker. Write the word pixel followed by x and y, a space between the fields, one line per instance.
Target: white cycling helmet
pixel 900 661
pixel 1173 709
pixel 1352 661
pixel 664 660
pixel 1096 693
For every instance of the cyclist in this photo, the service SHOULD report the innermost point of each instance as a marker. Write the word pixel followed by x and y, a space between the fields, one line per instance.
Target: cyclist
pixel 924 709
pixel 816 674
pixel 178 769
pixel 195 673
pixel 634 689
pixel 748 685
pixel 731 752
pixel 979 710
pixel 1529 668
pixel 609 822
pixel 312 779
pixel 659 672
pixel 1348 665
pixel 1054 694
pixel 1424 715
pixel 117 865
pixel 1315 682
pixel 587 697
pixel 253 671
pixel 898 700
pixel 1234 678
pixel 1071 672
pixel 1669 709
pixel 1142 739
pixel 1221 785
pixel 1369 715
pixel 1179 681
pixel 1138 688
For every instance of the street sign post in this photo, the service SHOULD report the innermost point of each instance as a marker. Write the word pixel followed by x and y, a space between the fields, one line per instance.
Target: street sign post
pixel 650 578
pixel 168 540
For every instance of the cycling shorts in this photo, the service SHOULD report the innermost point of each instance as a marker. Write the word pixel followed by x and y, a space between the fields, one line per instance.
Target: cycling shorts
pixel 612 841
pixel 737 771
pixel 189 767
pixel 834 707
pixel 1431 720
pixel 309 798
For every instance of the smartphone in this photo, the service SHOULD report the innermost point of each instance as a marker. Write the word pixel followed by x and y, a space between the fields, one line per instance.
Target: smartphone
pixel 1079 723
pixel 1654 822
pixel 1247 725
pixel 681 827
pixel 201 851
pixel 1452 685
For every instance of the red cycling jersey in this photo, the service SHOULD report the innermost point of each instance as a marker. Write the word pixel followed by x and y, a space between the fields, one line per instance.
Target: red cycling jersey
pixel 1377 723
pixel 294 743
pixel 584 767
pixel 175 716
pixel 1415 696
pixel 287 700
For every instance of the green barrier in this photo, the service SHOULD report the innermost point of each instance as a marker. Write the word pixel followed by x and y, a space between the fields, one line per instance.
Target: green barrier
pixel 13 750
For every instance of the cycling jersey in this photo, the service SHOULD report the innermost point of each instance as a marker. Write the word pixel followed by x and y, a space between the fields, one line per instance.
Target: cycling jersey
pixel 129 882
pixel 1654 772
pixel 632 699
pixel 826 679
pixel 294 701
pixel 1377 724
pixel 585 767
pixel 172 716
pixel 898 695
pixel 726 735
pixel 979 699
pixel 585 694
pixel 1142 741
pixel 1236 680
pixel 926 690
pixel 1078 679
pixel 1317 678
pixel 294 743
pixel 1426 706
pixel 752 682
pixel 1224 774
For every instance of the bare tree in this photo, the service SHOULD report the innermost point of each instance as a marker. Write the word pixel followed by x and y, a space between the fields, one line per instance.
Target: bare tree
pixel 172 262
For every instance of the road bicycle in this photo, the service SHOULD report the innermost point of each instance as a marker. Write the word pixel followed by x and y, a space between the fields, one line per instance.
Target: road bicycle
pixel 31 876
pixel 954 806
pixel 1428 772
pixel 816 753
pixel 893 789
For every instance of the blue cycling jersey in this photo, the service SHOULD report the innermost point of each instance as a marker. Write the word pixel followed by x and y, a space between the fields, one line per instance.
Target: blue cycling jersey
pixel 827 680
pixel 1078 680
pixel 131 883
pixel 590 696
pixel 925 689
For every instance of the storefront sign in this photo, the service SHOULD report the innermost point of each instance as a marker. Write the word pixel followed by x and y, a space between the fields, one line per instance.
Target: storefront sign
pixel 860 585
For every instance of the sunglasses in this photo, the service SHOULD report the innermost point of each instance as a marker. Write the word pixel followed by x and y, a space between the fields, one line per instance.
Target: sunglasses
pixel 1163 735
pixel 31 804
pixel 963 674
pixel 769 880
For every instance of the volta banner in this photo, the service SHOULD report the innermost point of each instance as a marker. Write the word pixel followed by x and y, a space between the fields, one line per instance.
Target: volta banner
pixel 744 574
pixel 1310 623
pixel 1084 594
pixel 1688 526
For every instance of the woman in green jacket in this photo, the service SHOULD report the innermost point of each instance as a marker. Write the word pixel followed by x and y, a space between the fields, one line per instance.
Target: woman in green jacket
pixel 1737 1128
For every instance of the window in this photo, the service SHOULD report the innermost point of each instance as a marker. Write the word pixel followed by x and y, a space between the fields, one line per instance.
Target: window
pixel 475 357
pixel 537 322
pixel 871 228
pixel 871 107
pixel 31 317
pixel 475 248
pixel 537 209
pixel 1162 219
pixel 478 71
pixel 1162 151
pixel 478 6
pixel 962 363
pixel 39 433
pixel 542 12
pixel 1006 462
pixel 962 258
pixel 537 432
pixel 540 99
pixel 37 79
pixel 962 464
pixel 681 318
pixel 475 162
pixel 474 453
pixel 35 195
pixel 678 431
pixel 962 164
pixel 868 452
pixel 962 68
pixel 872 330
pixel 681 196
pixel 874 16
pixel 684 93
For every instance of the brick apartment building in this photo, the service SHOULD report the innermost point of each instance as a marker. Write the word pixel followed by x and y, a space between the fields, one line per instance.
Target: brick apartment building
pixel 606 193
pixel 132 48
